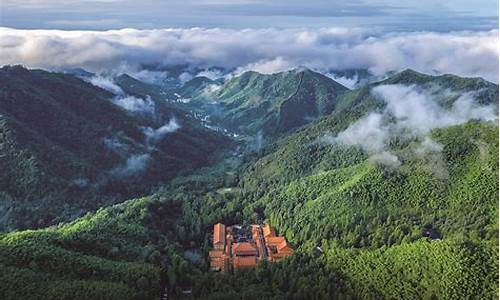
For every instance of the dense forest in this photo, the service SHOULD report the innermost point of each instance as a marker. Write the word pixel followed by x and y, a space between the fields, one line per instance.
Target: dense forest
pixel 424 228
pixel 66 148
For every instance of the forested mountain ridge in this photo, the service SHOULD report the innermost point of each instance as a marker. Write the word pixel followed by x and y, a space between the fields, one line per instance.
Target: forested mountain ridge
pixel 414 217
pixel 67 146
pixel 276 103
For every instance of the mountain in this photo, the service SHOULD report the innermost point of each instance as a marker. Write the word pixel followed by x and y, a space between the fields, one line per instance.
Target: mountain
pixel 135 87
pixel 276 103
pixel 65 143
pixel 485 91
pixel 79 72
pixel 354 78
pixel 196 86
pixel 415 217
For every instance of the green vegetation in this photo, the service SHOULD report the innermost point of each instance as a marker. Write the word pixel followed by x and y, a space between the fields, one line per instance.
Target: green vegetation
pixel 427 229
pixel 61 140
pixel 106 255
pixel 276 103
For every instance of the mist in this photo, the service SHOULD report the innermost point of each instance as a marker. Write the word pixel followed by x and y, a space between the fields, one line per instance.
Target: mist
pixel 134 164
pixel 267 50
pixel 134 104
pixel 105 83
pixel 410 113
pixel 154 135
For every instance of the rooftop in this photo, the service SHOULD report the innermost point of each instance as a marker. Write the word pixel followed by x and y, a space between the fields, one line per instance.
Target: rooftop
pixel 240 247
pixel 219 233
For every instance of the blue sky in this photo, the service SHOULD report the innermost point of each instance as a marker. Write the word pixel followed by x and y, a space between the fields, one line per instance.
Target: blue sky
pixel 389 15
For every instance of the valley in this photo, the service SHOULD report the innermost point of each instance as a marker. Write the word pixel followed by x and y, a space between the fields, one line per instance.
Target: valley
pixel 388 190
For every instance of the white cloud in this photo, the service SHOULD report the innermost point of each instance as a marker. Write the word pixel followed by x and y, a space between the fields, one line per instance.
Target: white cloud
pixel 385 158
pixel 116 145
pixel 212 88
pixel 266 50
pixel 106 83
pixel 369 132
pixel 148 76
pixel 276 65
pixel 185 77
pixel 349 82
pixel 136 163
pixel 133 165
pixel 211 74
pixel 135 104
pixel 127 102
pixel 410 112
pixel 154 135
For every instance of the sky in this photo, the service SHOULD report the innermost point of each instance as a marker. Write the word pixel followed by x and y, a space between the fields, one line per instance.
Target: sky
pixel 387 15
pixel 113 36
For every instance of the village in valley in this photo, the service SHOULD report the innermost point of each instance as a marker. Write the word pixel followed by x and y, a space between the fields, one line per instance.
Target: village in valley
pixel 236 247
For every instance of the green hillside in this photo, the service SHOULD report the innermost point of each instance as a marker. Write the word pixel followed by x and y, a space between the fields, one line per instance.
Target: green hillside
pixel 370 233
pixel 196 87
pixel 107 255
pixel 63 142
pixel 276 103
pixel 137 88
pixel 424 229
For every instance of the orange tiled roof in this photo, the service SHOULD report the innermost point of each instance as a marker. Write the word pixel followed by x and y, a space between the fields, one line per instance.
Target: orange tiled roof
pixel 215 253
pixel 244 248
pixel 268 230
pixel 284 247
pixel 220 264
pixel 244 261
pixel 219 233
pixel 275 240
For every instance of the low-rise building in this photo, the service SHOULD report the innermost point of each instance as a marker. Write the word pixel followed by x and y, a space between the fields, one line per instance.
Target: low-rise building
pixel 219 241
pixel 262 244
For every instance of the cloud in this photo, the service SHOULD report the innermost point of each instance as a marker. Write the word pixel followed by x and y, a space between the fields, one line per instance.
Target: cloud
pixel 105 83
pixel 265 50
pixel 399 15
pixel 127 102
pixel 385 158
pixel 276 65
pixel 133 165
pixel 134 104
pixel 212 88
pixel 211 74
pixel 370 132
pixel 148 76
pixel 430 152
pixel 349 82
pixel 116 146
pixel 154 135
pixel 136 163
pixel 419 110
pixel 410 113
pixel 185 77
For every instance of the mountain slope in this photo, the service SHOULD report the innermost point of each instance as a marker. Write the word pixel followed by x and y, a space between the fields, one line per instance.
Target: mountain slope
pixel 361 237
pixel 363 227
pixel 197 87
pixel 79 144
pixel 277 103
pixel 134 87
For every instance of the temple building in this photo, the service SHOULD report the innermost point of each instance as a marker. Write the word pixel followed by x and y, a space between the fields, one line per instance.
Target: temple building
pixel 219 236
pixel 247 250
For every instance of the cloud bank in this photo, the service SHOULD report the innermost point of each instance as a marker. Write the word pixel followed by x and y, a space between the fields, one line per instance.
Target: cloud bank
pixel 265 50
pixel 410 113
